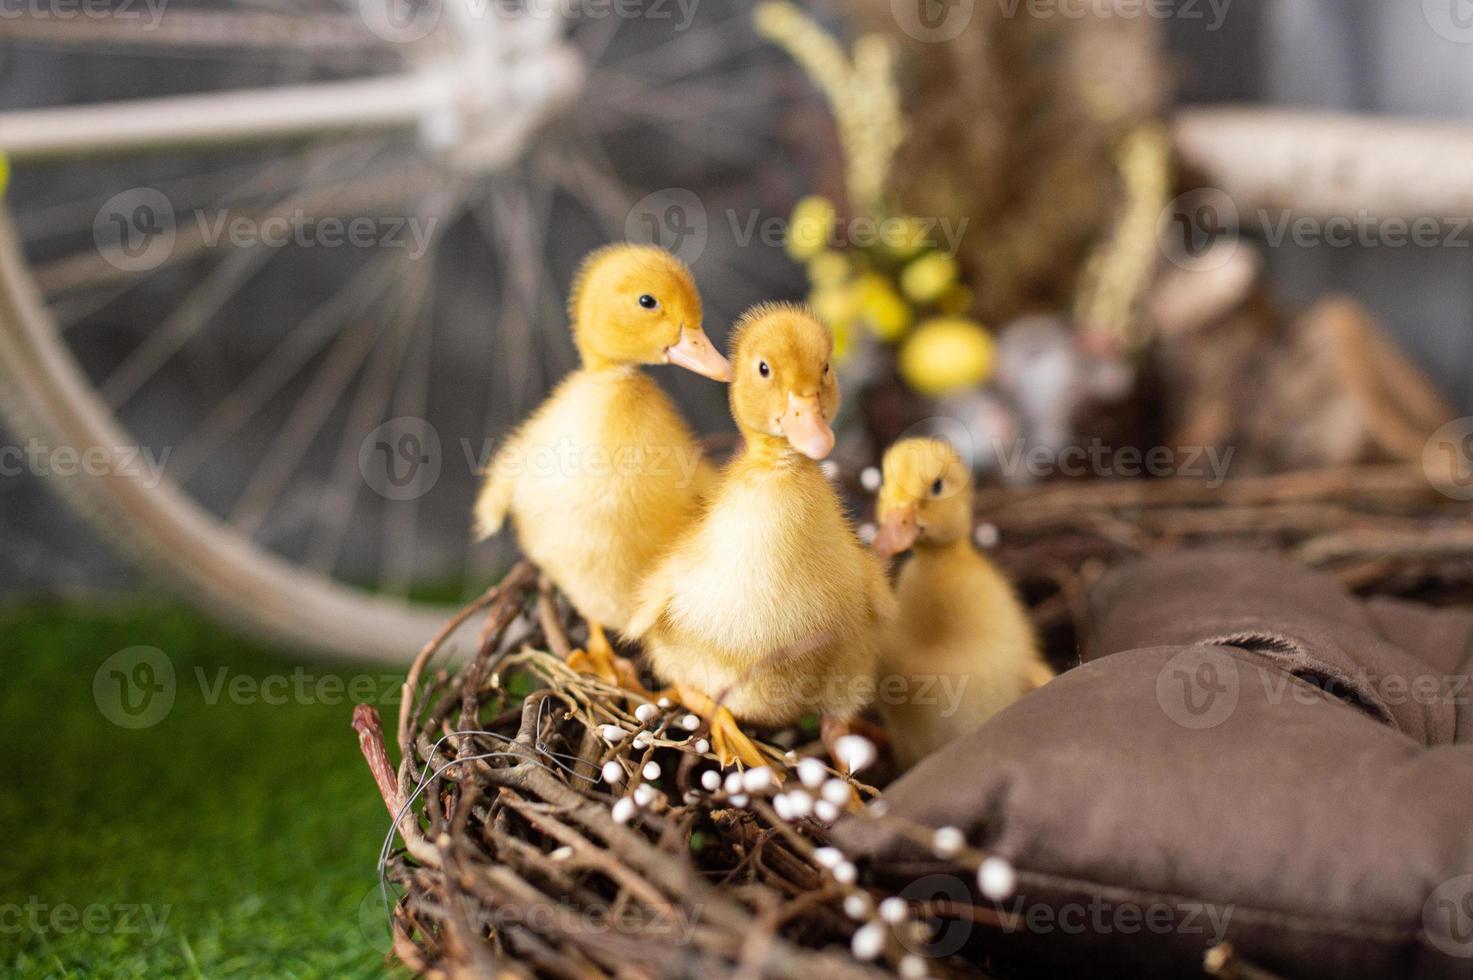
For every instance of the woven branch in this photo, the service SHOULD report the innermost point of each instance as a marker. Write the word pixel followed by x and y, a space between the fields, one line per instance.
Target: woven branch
pixel 551 825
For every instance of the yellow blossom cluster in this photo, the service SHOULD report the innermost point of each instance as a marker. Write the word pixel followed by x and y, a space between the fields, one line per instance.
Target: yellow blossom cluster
pixel 901 292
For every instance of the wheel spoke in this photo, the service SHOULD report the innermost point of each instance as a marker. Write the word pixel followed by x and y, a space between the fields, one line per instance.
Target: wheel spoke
pixel 307 417
pixel 401 517
pixel 280 33
pixel 354 296
pixel 198 308
pixel 370 401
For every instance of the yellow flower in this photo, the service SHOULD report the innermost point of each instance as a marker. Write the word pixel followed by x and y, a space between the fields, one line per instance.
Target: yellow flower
pixel 810 226
pixel 881 307
pixel 946 354
pixel 927 279
pixel 828 268
pixel 902 236
pixel 835 305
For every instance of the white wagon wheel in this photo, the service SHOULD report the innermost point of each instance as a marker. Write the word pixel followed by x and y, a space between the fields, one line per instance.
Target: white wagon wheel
pixel 463 103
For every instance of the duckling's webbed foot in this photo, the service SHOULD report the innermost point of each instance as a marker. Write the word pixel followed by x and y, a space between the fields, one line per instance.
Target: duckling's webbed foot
pixel 601 661
pixel 730 743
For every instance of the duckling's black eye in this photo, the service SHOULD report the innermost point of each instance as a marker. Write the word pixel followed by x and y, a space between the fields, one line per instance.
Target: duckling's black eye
pixel 648 301
pixel 936 488
pixel 825 369
pixel 764 370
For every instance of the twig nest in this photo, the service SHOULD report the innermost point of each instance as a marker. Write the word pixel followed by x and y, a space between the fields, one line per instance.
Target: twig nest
pixel 997 878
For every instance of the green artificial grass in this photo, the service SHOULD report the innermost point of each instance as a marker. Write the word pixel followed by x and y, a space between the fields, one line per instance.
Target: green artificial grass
pixel 234 837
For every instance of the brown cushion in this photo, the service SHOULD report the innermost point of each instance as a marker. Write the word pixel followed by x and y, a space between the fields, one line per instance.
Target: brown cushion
pixel 1247 754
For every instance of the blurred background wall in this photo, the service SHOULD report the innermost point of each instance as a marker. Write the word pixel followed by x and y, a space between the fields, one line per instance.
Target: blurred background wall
pixel 1354 55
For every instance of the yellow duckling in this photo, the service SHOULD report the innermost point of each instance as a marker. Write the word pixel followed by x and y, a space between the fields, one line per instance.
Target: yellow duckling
pixel 962 647
pixel 768 607
pixel 601 478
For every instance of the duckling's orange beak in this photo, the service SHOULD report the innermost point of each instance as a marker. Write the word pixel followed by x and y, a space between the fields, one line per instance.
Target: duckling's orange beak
pixel 695 352
pixel 898 531
pixel 806 428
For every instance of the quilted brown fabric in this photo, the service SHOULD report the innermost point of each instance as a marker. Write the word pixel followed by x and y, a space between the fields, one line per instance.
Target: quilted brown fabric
pixel 1247 754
